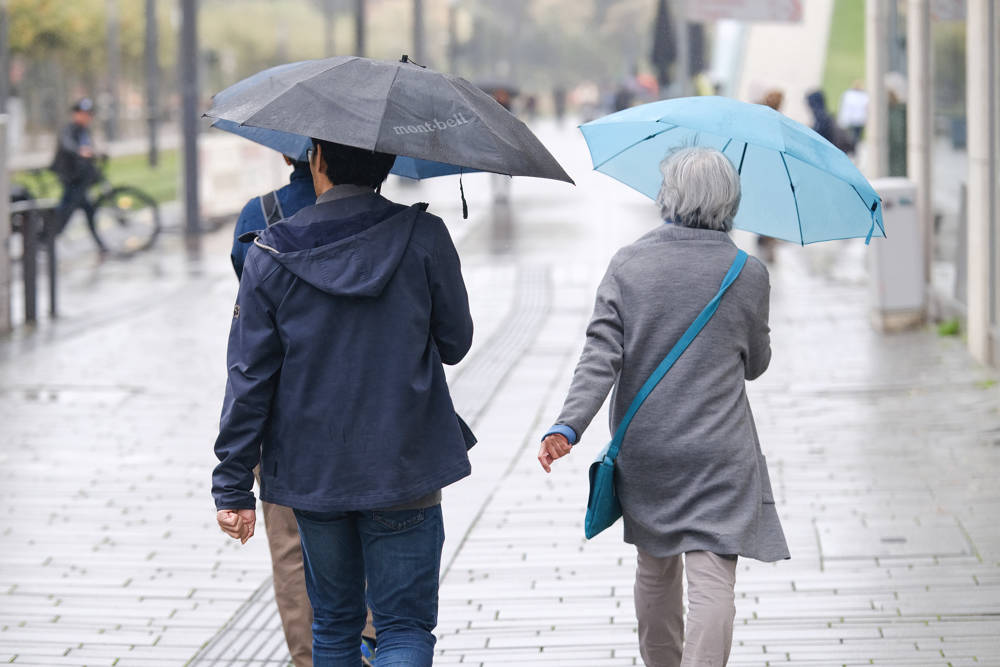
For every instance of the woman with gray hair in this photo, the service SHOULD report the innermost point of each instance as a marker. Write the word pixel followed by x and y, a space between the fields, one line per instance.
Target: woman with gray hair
pixel 690 475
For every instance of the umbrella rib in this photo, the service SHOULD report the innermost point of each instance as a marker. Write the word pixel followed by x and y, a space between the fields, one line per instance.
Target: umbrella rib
pixel 739 170
pixel 795 198
pixel 874 219
pixel 728 141
pixel 632 145
pixel 378 132
pixel 260 108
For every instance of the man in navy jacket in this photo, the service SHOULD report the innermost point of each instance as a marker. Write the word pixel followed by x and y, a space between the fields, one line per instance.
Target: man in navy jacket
pixel 346 313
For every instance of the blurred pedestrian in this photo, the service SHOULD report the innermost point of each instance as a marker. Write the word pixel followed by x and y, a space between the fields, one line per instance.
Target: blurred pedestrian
pixel 853 111
pixel 75 167
pixel 773 98
pixel 279 521
pixel 690 476
pixel 825 125
pixel 766 245
pixel 345 314
pixel 263 211
pixel 559 103
pixel 895 84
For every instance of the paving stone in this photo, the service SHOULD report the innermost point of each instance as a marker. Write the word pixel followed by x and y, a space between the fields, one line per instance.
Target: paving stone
pixel 883 465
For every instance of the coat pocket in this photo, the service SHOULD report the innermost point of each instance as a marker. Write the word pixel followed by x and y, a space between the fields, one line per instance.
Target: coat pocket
pixel 398 520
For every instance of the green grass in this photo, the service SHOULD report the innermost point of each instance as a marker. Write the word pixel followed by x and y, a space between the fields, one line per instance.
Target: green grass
pixel 950 327
pixel 160 182
pixel 845 51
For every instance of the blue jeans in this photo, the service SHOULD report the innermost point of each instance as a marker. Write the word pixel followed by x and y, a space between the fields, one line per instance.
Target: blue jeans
pixel 398 554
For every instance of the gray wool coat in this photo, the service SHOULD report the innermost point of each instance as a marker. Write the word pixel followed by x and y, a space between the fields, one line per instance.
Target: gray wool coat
pixel 690 474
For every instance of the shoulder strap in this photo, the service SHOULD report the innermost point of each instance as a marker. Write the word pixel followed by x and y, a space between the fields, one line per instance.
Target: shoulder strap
pixel 270 206
pixel 675 352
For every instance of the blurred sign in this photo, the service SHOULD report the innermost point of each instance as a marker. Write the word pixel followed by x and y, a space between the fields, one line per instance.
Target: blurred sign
pixel 232 170
pixel 745 10
pixel 948 10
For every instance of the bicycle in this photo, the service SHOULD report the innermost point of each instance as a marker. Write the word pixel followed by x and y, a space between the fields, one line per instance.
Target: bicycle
pixel 126 219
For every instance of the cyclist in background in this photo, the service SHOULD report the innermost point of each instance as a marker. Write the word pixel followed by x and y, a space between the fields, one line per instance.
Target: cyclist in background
pixel 74 165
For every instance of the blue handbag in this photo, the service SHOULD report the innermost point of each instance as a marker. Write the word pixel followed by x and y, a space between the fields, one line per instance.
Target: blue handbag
pixel 603 508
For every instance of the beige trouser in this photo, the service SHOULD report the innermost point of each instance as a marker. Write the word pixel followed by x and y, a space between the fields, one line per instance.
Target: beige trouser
pixel 659 606
pixel 290 582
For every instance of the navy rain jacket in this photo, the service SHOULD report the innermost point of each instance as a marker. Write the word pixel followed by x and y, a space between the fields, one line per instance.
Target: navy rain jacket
pixel 345 314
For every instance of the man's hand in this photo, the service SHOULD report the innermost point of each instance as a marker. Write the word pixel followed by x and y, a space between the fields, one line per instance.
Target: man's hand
pixel 554 447
pixel 237 524
pixel 86 152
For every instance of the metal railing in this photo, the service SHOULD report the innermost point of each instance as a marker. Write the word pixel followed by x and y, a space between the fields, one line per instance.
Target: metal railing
pixel 36 221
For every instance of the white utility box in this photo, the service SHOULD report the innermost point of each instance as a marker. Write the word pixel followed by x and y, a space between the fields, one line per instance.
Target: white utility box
pixel 897 280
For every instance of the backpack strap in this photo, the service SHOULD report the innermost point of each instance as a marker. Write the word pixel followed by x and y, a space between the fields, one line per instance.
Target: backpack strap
pixel 270 206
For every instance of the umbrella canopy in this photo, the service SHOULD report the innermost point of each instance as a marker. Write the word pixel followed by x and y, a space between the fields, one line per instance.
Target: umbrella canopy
pixel 797 186
pixel 295 146
pixel 391 107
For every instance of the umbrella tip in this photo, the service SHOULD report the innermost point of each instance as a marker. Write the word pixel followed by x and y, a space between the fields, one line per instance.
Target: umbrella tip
pixel 406 59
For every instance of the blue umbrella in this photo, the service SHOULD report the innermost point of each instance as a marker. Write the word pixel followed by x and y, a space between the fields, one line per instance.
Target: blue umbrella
pixel 296 145
pixel 797 186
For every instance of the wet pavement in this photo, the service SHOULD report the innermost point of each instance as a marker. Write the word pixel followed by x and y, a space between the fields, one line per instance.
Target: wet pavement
pixel 883 453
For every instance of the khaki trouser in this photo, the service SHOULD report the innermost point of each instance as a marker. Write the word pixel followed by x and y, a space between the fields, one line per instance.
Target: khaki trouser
pixel 660 609
pixel 290 582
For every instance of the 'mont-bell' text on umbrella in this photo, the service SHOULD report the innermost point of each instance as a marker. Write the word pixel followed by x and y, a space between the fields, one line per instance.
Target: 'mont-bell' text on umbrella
pixel 434 125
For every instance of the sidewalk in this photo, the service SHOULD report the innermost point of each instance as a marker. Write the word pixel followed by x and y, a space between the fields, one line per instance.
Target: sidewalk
pixel 883 454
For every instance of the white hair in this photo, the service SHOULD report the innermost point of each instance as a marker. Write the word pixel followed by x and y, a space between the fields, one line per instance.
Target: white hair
pixel 700 189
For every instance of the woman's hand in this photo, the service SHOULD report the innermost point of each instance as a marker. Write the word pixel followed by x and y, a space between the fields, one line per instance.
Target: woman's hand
pixel 554 447
pixel 237 524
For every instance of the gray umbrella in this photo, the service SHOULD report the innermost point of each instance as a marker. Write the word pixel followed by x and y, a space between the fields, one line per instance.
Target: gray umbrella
pixel 391 107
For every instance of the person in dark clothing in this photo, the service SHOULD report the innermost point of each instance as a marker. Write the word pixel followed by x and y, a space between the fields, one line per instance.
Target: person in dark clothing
pixel 823 122
pixel 825 125
pixel 279 521
pixel 346 312
pixel 262 212
pixel 74 167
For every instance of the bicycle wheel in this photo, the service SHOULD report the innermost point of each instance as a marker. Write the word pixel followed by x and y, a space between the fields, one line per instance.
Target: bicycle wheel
pixel 127 220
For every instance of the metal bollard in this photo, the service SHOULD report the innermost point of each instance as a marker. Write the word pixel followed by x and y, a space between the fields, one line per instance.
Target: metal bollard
pixel 36 221
pixel 49 227
pixel 29 264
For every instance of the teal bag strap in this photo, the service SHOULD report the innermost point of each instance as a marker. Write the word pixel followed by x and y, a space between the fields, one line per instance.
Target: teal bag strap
pixel 675 352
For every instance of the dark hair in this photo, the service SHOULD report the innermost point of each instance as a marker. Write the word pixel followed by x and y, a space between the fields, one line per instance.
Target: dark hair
pixel 354 166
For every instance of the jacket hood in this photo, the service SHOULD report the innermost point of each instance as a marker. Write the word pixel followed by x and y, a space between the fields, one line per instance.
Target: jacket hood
pixel 347 256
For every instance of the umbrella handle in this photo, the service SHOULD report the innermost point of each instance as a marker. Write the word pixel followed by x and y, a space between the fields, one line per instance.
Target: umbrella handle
pixel 465 204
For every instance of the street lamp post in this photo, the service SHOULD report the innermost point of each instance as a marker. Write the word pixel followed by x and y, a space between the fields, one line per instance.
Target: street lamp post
pixel 152 80
pixel 329 13
pixel 418 32
pixel 4 60
pixel 983 67
pixel 918 118
pixel 359 27
pixel 876 64
pixel 452 35
pixel 114 62
pixel 188 59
